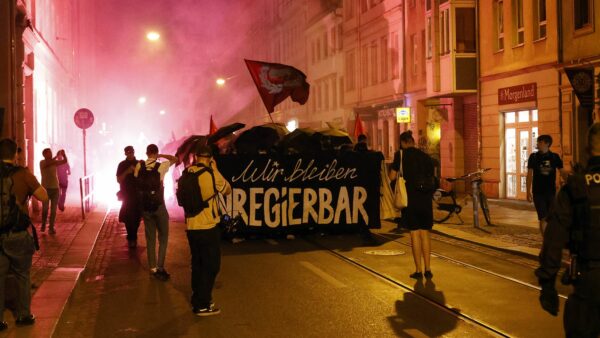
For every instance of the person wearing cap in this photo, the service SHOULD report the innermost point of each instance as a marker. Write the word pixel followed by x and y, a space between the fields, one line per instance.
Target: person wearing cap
pixel 203 234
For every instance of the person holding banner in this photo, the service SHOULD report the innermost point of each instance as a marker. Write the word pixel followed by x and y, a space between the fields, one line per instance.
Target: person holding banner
pixel 417 169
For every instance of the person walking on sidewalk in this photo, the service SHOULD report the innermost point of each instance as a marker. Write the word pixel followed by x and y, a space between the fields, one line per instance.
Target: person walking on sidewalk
pixel 574 222
pixel 417 169
pixel 202 231
pixel 131 212
pixel 541 178
pixel 150 174
pixel 17 246
pixel 63 171
pixel 50 183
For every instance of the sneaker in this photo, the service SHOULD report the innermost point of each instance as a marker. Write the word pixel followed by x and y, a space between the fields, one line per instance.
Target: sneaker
pixel 3 326
pixel 52 231
pixel 211 310
pixel 416 275
pixel 27 320
pixel 428 274
pixel 161 274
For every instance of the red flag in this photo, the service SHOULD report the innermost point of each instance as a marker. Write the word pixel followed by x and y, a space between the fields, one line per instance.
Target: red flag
pixel 275 82
pixel 213 127
pixel 358 127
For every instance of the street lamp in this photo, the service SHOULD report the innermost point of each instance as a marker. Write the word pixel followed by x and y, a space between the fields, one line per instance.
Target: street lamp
pixel 142 100
pixel 162 112
pixel 220 82
pixel 153 36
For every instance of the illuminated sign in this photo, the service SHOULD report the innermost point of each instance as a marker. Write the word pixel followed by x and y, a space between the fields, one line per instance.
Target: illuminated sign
pixel 403 114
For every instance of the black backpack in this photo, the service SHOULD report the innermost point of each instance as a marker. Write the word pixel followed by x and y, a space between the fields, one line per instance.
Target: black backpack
pixel 150 187
pixel 9 211
pixel 189 195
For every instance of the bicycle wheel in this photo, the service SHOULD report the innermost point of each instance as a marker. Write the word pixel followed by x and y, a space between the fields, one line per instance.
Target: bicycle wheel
pixel 484 206
pixel 443 204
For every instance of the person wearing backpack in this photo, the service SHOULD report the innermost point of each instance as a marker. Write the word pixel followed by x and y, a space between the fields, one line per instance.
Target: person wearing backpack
pixel 418 171
pixel 150 174
pixel 17 246
pixel 198 192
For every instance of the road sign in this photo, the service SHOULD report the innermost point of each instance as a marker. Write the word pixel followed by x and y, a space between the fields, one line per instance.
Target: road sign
pixel 403 114
pixel 84 118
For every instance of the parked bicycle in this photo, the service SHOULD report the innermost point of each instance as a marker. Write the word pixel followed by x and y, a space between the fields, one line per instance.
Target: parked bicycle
pixel 445 203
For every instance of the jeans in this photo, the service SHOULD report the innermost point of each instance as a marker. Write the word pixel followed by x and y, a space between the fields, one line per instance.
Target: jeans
pixel 15 256
pixel 52 200
pixel 156 221
pixel 63 196
pixel 206 263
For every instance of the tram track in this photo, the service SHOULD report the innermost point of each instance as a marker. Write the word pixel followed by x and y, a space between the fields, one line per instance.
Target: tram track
pixel 447 308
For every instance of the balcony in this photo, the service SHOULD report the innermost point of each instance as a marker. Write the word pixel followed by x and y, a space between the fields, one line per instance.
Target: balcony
pixel 452 67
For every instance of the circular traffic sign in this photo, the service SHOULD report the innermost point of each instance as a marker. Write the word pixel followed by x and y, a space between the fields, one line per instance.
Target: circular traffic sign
pixel 84 118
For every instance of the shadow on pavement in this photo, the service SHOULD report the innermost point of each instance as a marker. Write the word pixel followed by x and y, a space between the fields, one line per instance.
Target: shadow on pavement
pixel 413 315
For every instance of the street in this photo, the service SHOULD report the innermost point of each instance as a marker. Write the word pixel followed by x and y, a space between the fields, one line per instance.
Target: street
pixel 325 286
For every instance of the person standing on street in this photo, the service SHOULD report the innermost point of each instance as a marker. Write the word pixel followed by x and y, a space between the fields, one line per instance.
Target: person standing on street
pixel 150 174
pixel 541 178
pixel 574 221
pixel 202 231
pixel 131 212
pixel 63 171
pixel 417 169
pixel 50 183
pixel 16 244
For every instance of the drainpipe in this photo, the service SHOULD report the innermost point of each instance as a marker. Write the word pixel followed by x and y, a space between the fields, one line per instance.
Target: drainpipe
pixel 11 110
pixel 560 58
pixel 477 39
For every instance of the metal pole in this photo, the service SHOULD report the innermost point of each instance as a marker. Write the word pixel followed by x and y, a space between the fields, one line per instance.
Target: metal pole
pixel 81 194
pixel 475 186
pixel 84 156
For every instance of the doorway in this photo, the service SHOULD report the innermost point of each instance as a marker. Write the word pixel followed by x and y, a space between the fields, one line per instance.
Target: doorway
pixel 520 136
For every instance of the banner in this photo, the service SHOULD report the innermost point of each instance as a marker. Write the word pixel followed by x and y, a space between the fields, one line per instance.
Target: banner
pixel 582 81
pixel 271 191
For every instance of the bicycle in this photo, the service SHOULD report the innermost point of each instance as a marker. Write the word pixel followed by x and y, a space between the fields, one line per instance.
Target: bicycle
pixel 445 204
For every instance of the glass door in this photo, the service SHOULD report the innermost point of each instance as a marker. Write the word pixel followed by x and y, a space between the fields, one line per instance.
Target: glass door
pixel 520 137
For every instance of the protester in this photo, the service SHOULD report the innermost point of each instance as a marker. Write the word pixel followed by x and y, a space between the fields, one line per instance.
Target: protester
pixel 541 178
pixel 417 169
pixel 63 171
pixel 203 233
pixel 150 175
pixel 16 244
pixel 50 183
pixel 361 145
pixel 131 212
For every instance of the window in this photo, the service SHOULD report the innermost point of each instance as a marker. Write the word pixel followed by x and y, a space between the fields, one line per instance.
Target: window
pixel 325 46
pixel 445 32
pixel 539 19
pixel 423 68
pixel 334 37
pixel 465 30
pixel 499 17
pixel 365 65
pixel 384 59
pixel 582 12
pixel 413 43
pixel 318 43
pixel 340 40
pixel 374 63
pixel 350 71
pixel 519 27
pixel 349 6
pixel 333 94
pixel 325 96
pixel 429 40
pixel 395 56
pixel 313 51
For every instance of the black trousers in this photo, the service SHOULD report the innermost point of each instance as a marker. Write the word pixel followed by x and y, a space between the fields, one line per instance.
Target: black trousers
pixel 205 246
pixel 582 311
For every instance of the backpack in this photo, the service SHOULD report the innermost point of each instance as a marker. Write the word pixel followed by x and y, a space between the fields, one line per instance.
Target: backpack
pixel 150 187
pixel 189 195
pixel 9 211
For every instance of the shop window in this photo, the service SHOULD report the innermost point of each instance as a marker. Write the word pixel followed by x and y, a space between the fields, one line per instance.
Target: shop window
pixel 524 116
pixel 534 115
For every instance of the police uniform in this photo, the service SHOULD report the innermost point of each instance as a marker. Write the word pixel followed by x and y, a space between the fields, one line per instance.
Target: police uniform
pixel 582 310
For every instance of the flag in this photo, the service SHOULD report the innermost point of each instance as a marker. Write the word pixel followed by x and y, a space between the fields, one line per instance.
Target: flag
pixel 275 82
pixel 213 127
pixel 358 127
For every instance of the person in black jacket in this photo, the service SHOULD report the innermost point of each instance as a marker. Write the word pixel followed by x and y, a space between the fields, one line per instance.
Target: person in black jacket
pixel 417 169
pixel 574 221
pixel 130 213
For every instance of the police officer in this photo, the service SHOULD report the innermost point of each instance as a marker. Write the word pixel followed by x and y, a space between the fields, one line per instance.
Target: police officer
pixel 575 221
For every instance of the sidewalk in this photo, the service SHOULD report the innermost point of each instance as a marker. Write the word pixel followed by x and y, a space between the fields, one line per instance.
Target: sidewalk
pixel 56 268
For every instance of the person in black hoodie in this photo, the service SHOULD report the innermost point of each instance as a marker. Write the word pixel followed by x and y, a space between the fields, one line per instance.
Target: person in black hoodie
pixel 418 171
pixel 130 213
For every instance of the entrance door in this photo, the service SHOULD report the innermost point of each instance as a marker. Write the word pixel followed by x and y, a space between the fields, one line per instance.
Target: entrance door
pixel 520 137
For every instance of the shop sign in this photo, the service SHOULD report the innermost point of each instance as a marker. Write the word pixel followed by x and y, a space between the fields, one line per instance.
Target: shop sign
pixel 403 114
pixel 517 94
pixel 385 113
